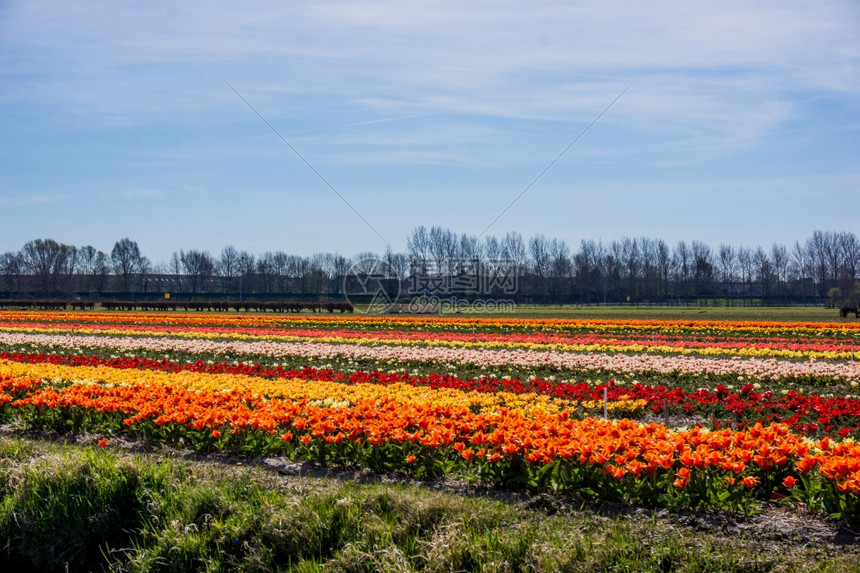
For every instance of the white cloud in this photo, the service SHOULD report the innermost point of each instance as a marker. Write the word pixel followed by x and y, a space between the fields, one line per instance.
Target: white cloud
pixel 21 200
pixel 143 194
pixel 379 85
pixel 456 55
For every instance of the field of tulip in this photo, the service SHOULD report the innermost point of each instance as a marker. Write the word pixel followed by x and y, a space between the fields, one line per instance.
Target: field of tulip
pixel 672 414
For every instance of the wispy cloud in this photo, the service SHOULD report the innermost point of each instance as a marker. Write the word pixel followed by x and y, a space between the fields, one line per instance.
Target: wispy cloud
pixel 143 194
pixel 126 98
pixel 9 201
pixel 389 119
pixel 455 55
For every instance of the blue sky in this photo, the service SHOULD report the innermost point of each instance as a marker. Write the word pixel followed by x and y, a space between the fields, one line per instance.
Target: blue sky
pixel 742 127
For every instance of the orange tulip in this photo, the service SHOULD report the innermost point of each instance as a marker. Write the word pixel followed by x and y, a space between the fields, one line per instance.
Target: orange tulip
pixel 750 481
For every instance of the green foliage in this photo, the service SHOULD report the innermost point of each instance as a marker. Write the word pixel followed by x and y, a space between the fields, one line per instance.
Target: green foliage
pixel 68 508
pixel 83 508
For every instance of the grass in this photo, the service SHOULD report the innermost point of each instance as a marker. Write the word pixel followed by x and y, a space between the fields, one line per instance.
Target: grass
pixel 644 312
pixel 77 507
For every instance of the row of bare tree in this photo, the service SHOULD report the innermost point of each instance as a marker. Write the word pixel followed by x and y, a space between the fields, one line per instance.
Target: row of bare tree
pixel 825 266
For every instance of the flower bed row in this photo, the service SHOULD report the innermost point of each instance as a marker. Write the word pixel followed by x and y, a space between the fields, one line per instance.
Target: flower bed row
pixel 807 414
pixel 311 388
pixel 793 330
pixel 777 347
pixel 390 430
pixel 674 366
pixel 305 387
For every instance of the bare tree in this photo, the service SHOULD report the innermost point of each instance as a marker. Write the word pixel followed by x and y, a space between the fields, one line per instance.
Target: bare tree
pixel 144 273
pixel 418 249
pixel 93 267
pixel 316 277
pixel 800 271
pixel 48 262
pixel 470 254
pixel 127 260
pixel 849 261
pixel 540 258
pixel 12 269
pixel 683 263
pixel 560 268
pixel 703 268
pixel 297 271
pixel 86 260
pixel 779 259
pixel 514 250
pixel 819 247
pixel 245 265
pixel 745 262
pixel 610 273
pixel 443 250
pixel 68 267
pixel 763 269
pixel 199 267
pixel 665 266
pixel 626 252
pixel 280 264
pixel 587 268
pixel 340 267
pixel 227 264
pixel 398 262
pixel 265 272
pixel 727 268
pixel 175 268
pixel 648 273
pixel 492 250
pixel 277 271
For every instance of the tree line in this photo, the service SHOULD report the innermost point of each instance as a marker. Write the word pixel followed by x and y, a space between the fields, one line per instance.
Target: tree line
pixel 821 268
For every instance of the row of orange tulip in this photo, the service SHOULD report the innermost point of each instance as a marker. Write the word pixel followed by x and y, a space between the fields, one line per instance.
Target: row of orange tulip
pixel 508 444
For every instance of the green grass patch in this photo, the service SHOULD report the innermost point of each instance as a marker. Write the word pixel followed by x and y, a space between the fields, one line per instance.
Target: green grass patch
pixel 712 311
pixel 69 507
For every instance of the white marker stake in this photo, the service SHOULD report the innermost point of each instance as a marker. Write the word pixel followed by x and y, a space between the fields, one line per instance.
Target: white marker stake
pixel 605 409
